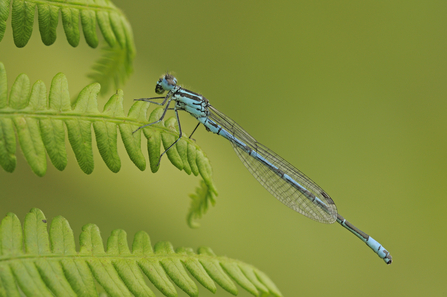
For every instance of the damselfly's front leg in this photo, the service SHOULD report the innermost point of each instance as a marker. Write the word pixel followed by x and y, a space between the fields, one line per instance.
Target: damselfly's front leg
pixel 147 100
pixel 164 111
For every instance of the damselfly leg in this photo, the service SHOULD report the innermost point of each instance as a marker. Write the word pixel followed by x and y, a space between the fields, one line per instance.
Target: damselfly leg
pixel 164 111
pixel 162 117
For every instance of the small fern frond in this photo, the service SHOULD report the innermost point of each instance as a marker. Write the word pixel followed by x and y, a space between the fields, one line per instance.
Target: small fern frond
pixel 39 122
pixel 37 262
pixel 116 64
pixel 112 23
pixel 200 201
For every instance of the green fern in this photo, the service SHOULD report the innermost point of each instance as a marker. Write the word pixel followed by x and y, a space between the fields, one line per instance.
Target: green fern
pixel 199 204
pixel 112 23
pixel 42 263
pixel 39 123
pixel 113 61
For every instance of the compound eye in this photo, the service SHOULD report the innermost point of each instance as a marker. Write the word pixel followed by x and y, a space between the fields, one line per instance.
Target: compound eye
pixel 158 88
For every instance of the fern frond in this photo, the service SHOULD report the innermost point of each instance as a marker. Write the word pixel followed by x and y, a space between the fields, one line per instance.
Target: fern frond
pixel 199 204
pixel 38 262
pixel 39 122
pixel 115 62
pixel 112 23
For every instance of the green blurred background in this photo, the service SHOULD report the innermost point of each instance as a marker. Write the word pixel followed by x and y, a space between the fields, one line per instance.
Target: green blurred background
pixel 353 93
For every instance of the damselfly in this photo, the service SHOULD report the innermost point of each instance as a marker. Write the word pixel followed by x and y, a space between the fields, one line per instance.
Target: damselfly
pixel 280 178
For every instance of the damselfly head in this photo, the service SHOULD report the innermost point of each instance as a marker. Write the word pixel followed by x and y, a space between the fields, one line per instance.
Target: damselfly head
pixel 166 83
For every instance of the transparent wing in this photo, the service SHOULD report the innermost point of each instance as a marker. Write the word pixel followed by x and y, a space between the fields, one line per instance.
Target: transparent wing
pixel 277 186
